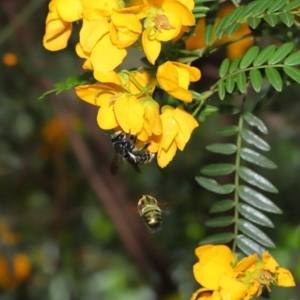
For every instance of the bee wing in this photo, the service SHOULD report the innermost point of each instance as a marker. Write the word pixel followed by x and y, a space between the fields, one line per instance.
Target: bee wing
pixel 116 164
pixel 136 168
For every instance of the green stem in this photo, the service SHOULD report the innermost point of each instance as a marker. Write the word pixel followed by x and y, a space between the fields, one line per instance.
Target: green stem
pixel 236 183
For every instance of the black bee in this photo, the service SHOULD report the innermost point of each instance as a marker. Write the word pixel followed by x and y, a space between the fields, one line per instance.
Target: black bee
pixel 124 146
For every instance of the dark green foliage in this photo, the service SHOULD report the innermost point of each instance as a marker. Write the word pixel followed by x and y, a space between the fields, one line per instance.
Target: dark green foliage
pixel 242 215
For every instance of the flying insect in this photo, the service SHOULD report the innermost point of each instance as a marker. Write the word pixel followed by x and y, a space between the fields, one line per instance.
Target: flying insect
pixel 124 146
pixel 151 213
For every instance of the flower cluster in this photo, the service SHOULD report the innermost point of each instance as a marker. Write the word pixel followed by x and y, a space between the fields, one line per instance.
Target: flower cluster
pixel 125 98
pixel 222 276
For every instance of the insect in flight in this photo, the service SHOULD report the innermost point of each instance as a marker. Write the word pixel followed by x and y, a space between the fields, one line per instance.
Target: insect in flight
pixel 124 146
pixel 151 213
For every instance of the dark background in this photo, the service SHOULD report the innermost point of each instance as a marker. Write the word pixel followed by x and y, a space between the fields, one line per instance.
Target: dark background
pixel 76 223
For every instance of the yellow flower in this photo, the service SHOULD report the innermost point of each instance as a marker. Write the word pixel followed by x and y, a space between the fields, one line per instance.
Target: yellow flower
pixel 174 78
pixel 127 105
pixel 59 23
pixel 106 32
pixel 219 272
pixel 163 23
pixel 178 126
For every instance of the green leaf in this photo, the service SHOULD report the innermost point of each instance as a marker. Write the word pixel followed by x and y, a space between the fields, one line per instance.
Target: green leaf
pixel 220 238
pixel 252 120
pixel 249 56
pixel 287 18
pixel 224 67
pixel 218 169
pixel 292 72
pixel 256 79
pixel 293 59
pixel 222 148
pixel 208 33
pixel 235 63
pixel 257 158
pixel 254 215
pixel 253 22
pixel 222 205
pixel 213 186
pixel 254 232
pixel 257 199
pixel 261 6
pixel 274 78
pixel 231 29
pixel 220 221
pixel 272 20
pixel 264 55
pixel 247 11
pixel 220 28
pixel 257 180
pixel 254 139
pixel 230 83
pixel 228 130
pixel 241 81
pixel 292 5
pixel 281 53
pixel 276 5
pixel 221 90
pixel 233 16
pixel 248 246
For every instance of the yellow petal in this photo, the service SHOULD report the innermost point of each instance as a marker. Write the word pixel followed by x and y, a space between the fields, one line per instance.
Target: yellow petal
pixel 105 56
pixel 91 32
pixel 57 32
pixel 246 263
pixel 106 116
pixel 194 73
pixel 285 277
pixel 151 47
pixel 270 263
pixel 170 127
pixel 231 288
pixel 96 94
pixel 112 77
pixel 164 156
pixel 186 122
pixel 69 10
pixel 180 10
pixel 129 113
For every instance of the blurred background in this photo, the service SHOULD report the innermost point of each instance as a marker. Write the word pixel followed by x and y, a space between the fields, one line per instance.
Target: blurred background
pixel 69 230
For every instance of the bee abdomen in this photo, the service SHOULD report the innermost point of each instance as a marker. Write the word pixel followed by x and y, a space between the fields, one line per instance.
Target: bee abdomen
pixel 152 217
